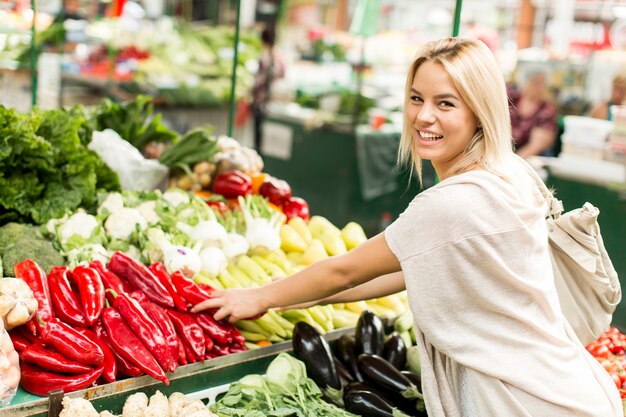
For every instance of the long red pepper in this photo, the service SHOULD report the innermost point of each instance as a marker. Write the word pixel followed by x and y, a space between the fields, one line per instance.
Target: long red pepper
pixel 36 279
pixel 182 358
pixel 158 269
pixel 127 345
pixel 19 342
pixel 190 355
pixel 141 278
pixel 190 332
pixel 208 344
pixel 64 300
pixel 70 343
pixel 91 291
pixel 39 382
pixel 123 366
pixel 220 335
pixel 238 338
pixel 52 361
pixel 109 374
pixel 188 289
pixel 147 331
pixel 160 317
pixel 110 280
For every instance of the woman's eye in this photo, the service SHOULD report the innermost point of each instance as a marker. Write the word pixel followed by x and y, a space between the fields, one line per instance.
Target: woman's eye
pixel 446 104
pixel 416 99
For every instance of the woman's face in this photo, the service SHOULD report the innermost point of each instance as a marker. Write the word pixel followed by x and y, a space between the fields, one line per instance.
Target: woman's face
pixel 442 123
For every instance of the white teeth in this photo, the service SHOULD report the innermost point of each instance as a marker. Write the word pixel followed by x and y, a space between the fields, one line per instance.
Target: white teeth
pixel 430 136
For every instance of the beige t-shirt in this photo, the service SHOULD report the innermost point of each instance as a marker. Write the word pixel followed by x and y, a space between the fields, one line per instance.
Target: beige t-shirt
pixel 490 332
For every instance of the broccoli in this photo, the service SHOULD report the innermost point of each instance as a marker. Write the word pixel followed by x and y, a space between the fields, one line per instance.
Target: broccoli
pixel 39 250
pixel 14 232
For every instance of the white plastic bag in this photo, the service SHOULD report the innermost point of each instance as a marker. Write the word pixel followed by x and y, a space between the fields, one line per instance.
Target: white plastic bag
pixel 136 173
pixel 9 368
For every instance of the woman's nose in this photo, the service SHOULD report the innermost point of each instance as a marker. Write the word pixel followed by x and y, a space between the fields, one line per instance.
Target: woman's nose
pixel 425 114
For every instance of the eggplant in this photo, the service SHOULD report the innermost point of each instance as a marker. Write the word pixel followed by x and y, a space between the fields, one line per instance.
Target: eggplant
pixel 346 353
pixel 369 334
pixel 405 405
pixel 312 349
pixel 368 404
pixel 344 375
pixel 394 351
pixel 380 373
pixel 416 379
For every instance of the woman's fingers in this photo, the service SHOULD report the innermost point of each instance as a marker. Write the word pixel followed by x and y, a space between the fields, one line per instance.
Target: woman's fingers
pixel 215 302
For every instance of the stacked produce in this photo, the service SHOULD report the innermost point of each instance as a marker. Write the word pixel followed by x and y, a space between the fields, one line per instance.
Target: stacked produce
pixel 284 390
pixel 97 323
pixel 366 376
pixel 609 351
pixel 139 405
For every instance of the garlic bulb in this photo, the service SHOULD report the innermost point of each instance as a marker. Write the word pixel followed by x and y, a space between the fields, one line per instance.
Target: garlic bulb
pixel 17 302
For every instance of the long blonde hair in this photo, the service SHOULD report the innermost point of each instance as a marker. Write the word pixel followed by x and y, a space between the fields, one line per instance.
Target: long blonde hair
pixel 474 72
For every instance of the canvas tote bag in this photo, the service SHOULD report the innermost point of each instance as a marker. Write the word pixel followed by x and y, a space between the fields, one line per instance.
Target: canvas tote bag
pixel 585 279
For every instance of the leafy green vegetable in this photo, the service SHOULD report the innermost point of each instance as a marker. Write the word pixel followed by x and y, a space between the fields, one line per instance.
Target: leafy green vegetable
pixel 133 121
pixel 285 391
pixel 196 145
pixel 45 167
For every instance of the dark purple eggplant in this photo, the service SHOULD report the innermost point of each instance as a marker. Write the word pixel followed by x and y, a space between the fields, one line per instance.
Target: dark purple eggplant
pixel 416 379
pixel 380 373
pixel 344 375
pixel 312 349
pixel 405 405
pixel 369 334
pixel 394 351
pixel 346 353
pixel 368 404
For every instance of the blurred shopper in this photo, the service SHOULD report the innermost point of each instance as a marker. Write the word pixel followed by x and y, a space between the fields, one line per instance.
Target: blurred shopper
pixel 271 67
pixel 472 253
pixel 618 96
pixel 533 117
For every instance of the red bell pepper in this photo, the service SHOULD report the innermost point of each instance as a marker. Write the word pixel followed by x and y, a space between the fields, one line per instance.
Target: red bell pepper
pixel 70 343
pixel 36 279
pixel 109 374
pixel 39 382
pixel 275 190
pixel 158 269
pixel 141 278
pixel 110 280
pixel 296 207
pixel 52 361
pixel 127 345
pixel 64 300
pixel 232 184
pixel 189 332
pixel 160 317
pixel 211 328
pixel 145 329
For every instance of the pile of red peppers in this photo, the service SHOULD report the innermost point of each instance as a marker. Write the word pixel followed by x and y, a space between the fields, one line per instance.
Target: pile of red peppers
pixel 97 324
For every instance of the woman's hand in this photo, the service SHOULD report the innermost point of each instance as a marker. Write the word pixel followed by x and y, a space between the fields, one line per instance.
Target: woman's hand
pixel 235 304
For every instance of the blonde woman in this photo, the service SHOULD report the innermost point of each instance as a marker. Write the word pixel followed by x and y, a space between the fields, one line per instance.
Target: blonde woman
pixel 472 253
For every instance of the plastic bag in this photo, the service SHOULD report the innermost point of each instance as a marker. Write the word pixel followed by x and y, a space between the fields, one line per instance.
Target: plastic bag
pixel 136 173
pixel 9 368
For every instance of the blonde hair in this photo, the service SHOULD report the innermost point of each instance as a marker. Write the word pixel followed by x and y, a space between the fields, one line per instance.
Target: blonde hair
pixel 474 72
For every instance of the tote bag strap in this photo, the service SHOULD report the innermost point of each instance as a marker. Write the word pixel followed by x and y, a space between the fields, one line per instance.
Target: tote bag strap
pixel 555 206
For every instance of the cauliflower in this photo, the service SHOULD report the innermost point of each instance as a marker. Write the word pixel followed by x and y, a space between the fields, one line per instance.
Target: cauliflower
pixel 89 252
pixel 122 223
pixel 79 223
pixel 112 203
pixel 77 407
pixel 176 197
pixel 135 405
pixel 148 212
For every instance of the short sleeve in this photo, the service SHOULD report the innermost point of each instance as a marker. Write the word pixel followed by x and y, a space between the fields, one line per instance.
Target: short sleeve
pixel 546 117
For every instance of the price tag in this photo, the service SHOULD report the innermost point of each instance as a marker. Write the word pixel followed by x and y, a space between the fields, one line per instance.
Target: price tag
pixel 277 141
